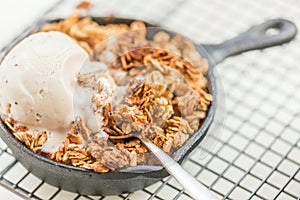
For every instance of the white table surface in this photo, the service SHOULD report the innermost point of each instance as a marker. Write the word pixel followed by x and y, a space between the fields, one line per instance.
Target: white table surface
pixel 16 15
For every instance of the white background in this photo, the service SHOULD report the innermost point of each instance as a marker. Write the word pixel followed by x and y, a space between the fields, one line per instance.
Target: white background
pixel 259 149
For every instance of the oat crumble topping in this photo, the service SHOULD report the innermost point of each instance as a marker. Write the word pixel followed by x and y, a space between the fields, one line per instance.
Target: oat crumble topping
pixel 165 98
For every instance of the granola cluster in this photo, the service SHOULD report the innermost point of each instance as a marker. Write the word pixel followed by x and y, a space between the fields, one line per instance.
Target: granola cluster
pixel 162 96
pixel 32 140
pixel 86 32
pixel 168 100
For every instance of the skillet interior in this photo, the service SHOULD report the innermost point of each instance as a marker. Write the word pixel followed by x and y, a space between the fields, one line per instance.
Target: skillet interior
pixel 114 182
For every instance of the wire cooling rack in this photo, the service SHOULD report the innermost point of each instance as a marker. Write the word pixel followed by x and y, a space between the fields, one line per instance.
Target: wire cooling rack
pixel 257 156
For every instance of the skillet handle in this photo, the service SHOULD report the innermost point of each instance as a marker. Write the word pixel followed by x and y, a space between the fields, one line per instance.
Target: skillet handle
pixel 257 37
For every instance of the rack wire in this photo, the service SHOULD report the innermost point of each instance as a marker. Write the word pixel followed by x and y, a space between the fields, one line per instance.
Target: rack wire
pixel 257 156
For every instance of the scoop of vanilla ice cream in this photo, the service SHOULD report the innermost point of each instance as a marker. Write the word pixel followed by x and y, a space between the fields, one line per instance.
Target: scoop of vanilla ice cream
pixel 37 80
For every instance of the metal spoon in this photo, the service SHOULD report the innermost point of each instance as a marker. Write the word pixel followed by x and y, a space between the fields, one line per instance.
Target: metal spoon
pixel 195 189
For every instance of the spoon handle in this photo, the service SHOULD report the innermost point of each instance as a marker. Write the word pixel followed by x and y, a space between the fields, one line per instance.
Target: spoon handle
pixel 191 184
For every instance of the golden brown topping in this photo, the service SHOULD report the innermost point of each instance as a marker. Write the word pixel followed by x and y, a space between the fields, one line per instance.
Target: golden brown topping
pixel 63 25
pixel 85 31
pixel 84 5
pixel 33 141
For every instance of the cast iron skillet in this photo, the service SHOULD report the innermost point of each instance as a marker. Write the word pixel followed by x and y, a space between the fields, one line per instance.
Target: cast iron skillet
pixel 134 178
